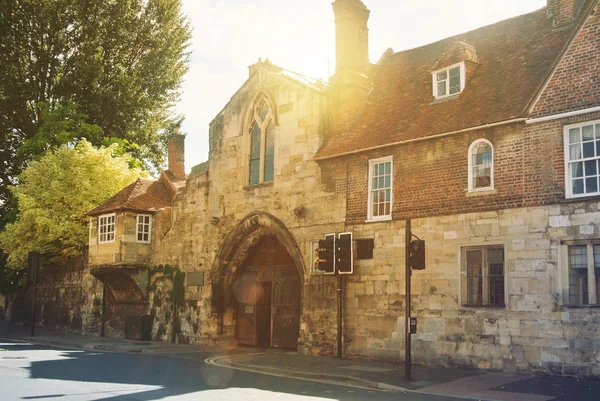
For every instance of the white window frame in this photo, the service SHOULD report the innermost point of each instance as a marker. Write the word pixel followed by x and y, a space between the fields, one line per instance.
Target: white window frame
pixel 137 228
pixel 373 162
pixel 485 290
pixel 447 69
pixel 101 224
pixel 470 163
pixel 568 183
pixel 566 272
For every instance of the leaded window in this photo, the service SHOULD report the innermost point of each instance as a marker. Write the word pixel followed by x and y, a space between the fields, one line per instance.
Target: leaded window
pixel 584 273
pixel 582 158
pixel 262 143
pixel 483 276
pixel 481 166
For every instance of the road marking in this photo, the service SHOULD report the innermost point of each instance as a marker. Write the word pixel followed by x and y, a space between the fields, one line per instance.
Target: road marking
pixel 281 373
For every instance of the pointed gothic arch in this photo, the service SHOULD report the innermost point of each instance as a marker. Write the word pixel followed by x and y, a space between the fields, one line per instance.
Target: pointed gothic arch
pixel 258 129
pixel 237 246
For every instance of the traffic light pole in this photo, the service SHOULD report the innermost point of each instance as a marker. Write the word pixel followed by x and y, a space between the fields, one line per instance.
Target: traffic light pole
pixel 407 274
pixel 340 317
pixel 33 305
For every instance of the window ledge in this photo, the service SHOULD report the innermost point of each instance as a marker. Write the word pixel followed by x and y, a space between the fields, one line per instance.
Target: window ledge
pixel 258 186
pixel 481 192
pixel 581 198
pixel 143 242
pixel 595 306
pixel 389 218
pixel 470 306
pixel 445 99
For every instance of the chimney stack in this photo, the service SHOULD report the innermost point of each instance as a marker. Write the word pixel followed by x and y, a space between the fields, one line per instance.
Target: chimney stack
pixel 564 12
pixel 351 35
pixel 176 154
pixel 351 83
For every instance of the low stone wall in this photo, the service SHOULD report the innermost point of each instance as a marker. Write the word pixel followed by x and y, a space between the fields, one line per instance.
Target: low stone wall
pixel 68 298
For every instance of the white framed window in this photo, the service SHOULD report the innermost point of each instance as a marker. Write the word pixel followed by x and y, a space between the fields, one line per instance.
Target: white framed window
pixel 449 81
pixel 582 159
pixel 482 271
pixel 143 229
pixel 481 166
pixel 262 143
pixel 582 275
pixel 106 228
pixel 380 189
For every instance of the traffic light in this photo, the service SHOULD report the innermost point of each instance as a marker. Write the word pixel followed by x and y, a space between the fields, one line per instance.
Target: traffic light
pixel 344 256
pixel 326 254
pixel 417 254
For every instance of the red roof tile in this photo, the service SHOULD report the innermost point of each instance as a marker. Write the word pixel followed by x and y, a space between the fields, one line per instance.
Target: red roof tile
pixel 141 195
pixel 515 56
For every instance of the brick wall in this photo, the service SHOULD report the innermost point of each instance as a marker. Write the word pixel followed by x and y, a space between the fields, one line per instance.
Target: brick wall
pixel 431 177
pixel 576 81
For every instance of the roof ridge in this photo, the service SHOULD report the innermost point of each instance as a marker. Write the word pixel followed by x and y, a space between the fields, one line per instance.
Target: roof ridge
pixel 456 37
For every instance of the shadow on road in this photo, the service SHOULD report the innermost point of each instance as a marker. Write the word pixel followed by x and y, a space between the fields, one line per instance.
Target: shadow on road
pixel 175 376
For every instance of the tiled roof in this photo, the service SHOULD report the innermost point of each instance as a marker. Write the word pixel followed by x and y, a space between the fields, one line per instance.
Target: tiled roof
pixel 141 195
pixel 514 58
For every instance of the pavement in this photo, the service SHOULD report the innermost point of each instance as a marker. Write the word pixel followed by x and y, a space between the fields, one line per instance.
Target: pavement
pixel 469 384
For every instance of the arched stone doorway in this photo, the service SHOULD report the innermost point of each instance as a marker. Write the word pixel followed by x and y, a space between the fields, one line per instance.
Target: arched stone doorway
pixel 267 297
pixel 257 284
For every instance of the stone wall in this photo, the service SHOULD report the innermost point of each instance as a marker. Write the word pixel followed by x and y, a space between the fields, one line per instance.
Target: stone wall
pixel 537 330
pixel 68 298
pixel 207 213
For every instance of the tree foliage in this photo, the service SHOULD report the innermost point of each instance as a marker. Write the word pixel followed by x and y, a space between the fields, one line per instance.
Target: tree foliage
pixel 117 63
pixel 55 193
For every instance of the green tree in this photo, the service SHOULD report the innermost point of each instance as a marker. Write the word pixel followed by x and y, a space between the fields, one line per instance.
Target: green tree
pixel 119 63
pixel 55 193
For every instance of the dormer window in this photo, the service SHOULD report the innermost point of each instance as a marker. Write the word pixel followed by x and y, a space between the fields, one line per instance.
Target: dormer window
pixel 449 81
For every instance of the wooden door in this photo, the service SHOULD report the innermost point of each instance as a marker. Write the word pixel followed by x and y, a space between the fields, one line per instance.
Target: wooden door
pixel 285 311
pixel 245 290
pixel 263 314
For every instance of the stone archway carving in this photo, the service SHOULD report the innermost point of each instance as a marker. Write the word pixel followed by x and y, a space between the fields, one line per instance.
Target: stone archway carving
pixel 236 248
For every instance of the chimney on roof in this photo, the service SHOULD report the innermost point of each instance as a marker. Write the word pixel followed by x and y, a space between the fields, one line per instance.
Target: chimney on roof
pixel 564 12
pixel 176 154
pixel 350 85
pixel 351 35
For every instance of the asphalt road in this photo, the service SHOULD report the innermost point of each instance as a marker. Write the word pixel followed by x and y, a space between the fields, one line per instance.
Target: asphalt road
pixel 35 372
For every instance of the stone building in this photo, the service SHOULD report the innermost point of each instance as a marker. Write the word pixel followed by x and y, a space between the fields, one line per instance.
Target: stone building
pixel 489 142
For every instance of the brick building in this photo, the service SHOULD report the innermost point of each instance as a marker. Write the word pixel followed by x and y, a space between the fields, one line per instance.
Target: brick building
pixel 488 141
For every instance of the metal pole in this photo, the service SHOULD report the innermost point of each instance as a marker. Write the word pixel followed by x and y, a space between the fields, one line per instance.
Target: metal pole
pixel 103 316
pixel 407 274
pixel 340 294
pixel 34 274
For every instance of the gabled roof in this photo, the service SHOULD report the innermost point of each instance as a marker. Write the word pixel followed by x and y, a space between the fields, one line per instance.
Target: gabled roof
pixel 457 52
pixel 141 196
pixel 515 56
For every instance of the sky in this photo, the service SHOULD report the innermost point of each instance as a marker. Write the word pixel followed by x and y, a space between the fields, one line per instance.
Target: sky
pixel 230 35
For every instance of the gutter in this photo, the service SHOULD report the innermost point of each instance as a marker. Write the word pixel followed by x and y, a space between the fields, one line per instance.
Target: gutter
pixel 562 115
pixel 497 124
